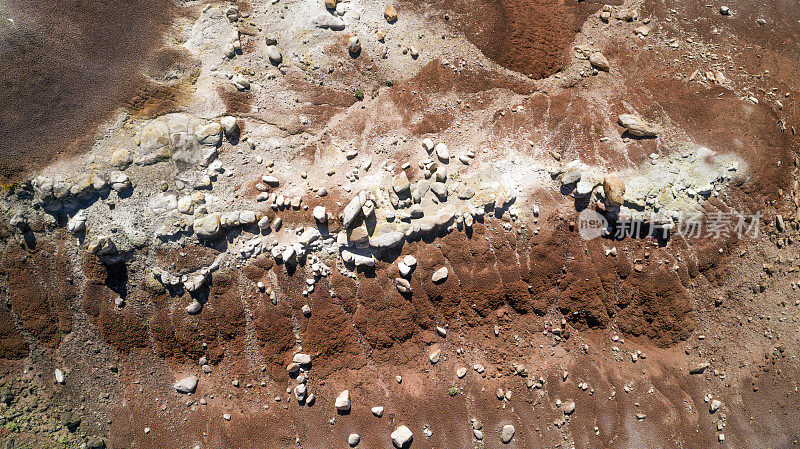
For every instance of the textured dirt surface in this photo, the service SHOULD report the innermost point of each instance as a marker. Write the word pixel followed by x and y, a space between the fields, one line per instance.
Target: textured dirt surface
pixel 68 66
pixel 618 326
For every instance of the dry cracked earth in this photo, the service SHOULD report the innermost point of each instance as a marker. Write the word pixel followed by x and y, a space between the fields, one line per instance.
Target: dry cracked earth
pixel 419 224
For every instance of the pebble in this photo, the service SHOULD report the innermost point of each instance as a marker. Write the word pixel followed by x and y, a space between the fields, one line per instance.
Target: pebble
pixel 353 439
pixel 274 55
pixel 401 437
pixel 442 152
pixel 377 411
pixel 59 375
pixel 354 45
pixel 342 402
pixel 390 14
pixel 507 433
pixel 598 61
pixel 461 372
pixel 186 385
pixel 439 275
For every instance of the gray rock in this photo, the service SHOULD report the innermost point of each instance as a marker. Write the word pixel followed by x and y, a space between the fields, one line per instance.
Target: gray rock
pixel 442 152
pixel 186 385
pixel 274 55
pixel 342 402
pixel 320 214
pixel 229 125
pixel 440 190
pixel 440 275
pixel 636 126
pixel 402 437
pixel 507 433
pixel 194 308
pixel 598 61
pixel 351 211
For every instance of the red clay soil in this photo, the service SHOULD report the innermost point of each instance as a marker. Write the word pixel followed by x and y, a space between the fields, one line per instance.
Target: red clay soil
pixel 67 66
pixel 527 36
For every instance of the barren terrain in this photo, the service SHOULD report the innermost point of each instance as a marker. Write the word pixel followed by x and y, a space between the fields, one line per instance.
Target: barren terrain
pixel 307 223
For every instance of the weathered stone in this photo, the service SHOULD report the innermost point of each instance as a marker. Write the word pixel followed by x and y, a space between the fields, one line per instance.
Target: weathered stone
pixel 598 61
pixel 270 180
pixel 353 439
pixel 390 13
pixel 402 437
pixel 194 308
pixel 101 245
pixel 461 372
pixel 274 55
pixel 571 176
pixel 439 275
pixel 440 190
pixel 229 125
pixel 435 356
pixel 209 134
pixel 507 433
pixel 403 286
pixel 342 402
pixel 320 214
pixel 354 45
pixel 351 211
pixel 207 226
pixel 442 152
pixel 636 126
pixel 613 189
pixel 186 385
pixel 401 184
pixel 377 411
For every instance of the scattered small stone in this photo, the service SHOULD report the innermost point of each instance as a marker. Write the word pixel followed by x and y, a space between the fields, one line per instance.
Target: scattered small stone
pixel 402 437
pixel 186 385
pixel 507 433
pixel 353 439
pixel 439 275
pixel 342 402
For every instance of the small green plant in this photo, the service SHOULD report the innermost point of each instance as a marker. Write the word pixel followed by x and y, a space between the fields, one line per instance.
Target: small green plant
pixel 452 391
pixel 359 93
pixel 12 427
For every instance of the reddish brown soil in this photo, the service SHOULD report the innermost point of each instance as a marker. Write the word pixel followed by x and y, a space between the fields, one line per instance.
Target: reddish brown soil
pixel 68 66
pixel 527 36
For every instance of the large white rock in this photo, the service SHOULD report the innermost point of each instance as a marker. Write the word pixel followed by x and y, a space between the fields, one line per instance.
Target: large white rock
pixel 229 126
pixel 210 134
pixel 440 275
pixel 353 439
pixel 207 226
pixel 320 214
pixel 507 433
pixel 401 437
pixel 186 385
pixel 301 359
pixel 442 152
pixel 342 403
pixel 351 211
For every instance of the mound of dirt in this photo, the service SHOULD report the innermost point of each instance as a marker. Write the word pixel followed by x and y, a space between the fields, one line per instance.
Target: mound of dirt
pixel 527 36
